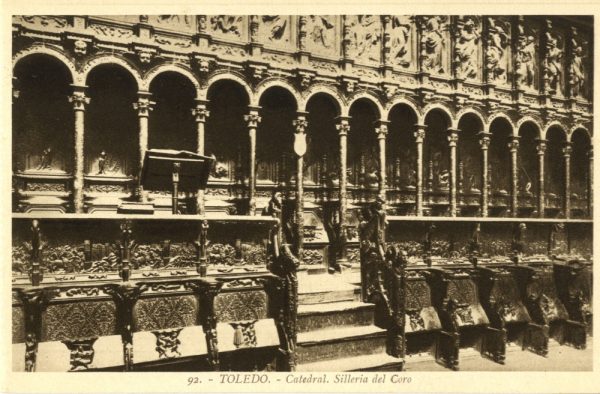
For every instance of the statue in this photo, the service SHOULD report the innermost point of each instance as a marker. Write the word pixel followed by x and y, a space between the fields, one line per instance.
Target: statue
pixel 277 25
pixel 322 32
pixel 102 163
pixel 577 67
pixel 554 55
pixel 226 24
pixel 366 36
pixel 433 43
pixel 525 58
pixel 465 57
pixel 400 41
pixel 498 41
pixel 46 159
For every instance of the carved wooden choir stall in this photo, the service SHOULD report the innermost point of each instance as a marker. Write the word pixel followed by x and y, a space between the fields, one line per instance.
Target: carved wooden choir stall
pixel 380 187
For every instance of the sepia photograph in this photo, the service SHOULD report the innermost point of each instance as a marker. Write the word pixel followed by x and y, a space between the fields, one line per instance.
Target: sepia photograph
pixel 362 195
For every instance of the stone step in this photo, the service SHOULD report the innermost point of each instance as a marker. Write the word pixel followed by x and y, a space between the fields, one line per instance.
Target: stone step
pixel 331 315
pixel 369 362
pixel 338 343
pixel 319 289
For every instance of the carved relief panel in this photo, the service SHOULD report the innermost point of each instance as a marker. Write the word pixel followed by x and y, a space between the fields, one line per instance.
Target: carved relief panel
pixel 498 50
pixel 230 27
pixel 434 44
pixel 275 30
pixel 527 54
pixel 363 38
pixel 403 37
pixel 183 23
pixel 467 47
pixel 323 34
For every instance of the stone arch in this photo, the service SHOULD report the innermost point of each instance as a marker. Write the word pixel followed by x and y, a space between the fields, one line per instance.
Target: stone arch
pixel 466 111
pixel 112 59
pixel 176 68
pixel 277 82
pixel 369 97
pixel 433 106
pixel 49 51
pixel 331 92
pixel 556 124
pixel 401 101
pixel 576 128
pixel 529 119
pixel 231 76
pixel 500 115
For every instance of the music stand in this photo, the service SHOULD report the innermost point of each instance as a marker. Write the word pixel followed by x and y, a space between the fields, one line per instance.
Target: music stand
pixel 173 170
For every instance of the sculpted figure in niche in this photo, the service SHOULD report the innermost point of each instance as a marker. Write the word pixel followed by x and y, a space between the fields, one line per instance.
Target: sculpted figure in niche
pixel 525 58
pixel 226 24
pixel 433 43
pixel 276 26
pixel 577 74
pixel 466 48
pixel 46 159
pixel 400 41
pixel 498 40
pixel 321 31
pixel 554 55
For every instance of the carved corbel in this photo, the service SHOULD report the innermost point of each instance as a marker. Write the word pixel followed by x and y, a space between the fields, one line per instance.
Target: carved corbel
pixel 79 45
pixel 204 64
pixel 349 85
pixel 305 78
pixel 389 90
pixel 257 71
pixel 145 54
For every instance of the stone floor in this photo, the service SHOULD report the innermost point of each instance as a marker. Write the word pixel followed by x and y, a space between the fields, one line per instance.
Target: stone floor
pixel 560 358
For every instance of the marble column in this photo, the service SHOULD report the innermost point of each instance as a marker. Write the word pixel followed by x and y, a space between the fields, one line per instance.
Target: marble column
pixel 143 107
pixel 484 142
pixel 343 128
pixel 79 101
pixel 541 150
pixel 452 142
pixel 300 125
pixel 252 121
pixel 513 146
pixel 200 114
pixel 419 138
pixel 381 130
pixel 567 149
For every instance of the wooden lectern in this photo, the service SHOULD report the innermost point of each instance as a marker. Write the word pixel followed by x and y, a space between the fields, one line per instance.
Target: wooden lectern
pixel 174 170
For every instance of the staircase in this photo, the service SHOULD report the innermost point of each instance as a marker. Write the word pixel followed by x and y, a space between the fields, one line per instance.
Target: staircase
pixel 335 329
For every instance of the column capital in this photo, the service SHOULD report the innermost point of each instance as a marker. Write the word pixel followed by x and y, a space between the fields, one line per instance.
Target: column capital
pixel 79 99
pixel 484 139
pixel 253 118
pixel 381 128
pixel 343 125
pixel 200 112
pixel 300 123
pixel 541 146
pixel 567 149
pixel 513 145
pixel 452 136
pixel 143 106
pixel 419 133
pixel 591 152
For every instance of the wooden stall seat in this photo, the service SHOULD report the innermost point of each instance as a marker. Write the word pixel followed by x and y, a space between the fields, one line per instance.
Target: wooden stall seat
pixel 249 328
pixel 464 321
